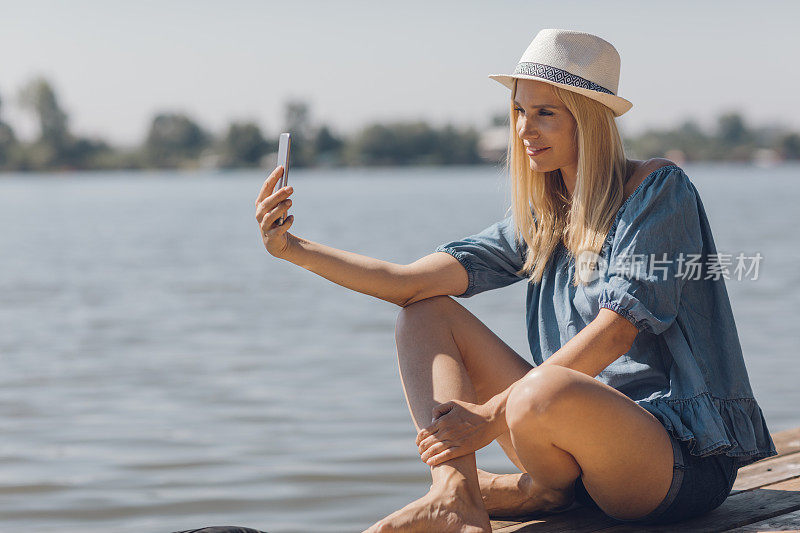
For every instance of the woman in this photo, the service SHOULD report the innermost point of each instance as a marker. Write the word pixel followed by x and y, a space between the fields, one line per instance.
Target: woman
pixel 639 402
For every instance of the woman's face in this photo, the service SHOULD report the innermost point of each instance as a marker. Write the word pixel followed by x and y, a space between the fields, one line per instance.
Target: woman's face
pixel 543 121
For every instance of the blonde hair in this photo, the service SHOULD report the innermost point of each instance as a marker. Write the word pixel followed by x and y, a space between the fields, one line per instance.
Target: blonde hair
pixel 582 222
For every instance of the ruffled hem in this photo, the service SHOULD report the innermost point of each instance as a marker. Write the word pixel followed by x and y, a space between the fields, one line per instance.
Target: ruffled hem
pixel 735 427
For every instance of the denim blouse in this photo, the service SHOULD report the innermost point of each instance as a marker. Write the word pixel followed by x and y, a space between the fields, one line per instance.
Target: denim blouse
pixel 686 365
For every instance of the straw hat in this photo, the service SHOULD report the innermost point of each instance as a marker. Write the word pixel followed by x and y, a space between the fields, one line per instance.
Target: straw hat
pixel 577 61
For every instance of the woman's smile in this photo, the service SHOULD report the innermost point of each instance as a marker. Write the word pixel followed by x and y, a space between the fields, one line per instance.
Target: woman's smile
pixel 533 152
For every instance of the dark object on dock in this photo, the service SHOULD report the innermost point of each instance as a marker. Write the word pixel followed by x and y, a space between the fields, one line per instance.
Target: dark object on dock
pixel 765 497
pixel 222 529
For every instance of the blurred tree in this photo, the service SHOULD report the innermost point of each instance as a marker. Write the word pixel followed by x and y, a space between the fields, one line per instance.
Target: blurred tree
pixel 394 144
pixel 85 153
pixel 297 121
pixel 789 146
pixel 407 143
pixel 731 129
pixel 297 118
pixel 8 142
pixel 327 147
pixel 174 139
pixel 326 141
pixel 457 147
pixel 500 119
pixel 242 146
pixel 687 138
pixel 55 147
pixel 54 140
pixel 38 96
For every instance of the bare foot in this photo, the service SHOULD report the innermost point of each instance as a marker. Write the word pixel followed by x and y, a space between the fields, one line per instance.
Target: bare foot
pixel 512 495
pixel 441 511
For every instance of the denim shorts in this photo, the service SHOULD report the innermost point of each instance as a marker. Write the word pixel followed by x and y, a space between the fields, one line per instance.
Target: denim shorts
pixel 699 484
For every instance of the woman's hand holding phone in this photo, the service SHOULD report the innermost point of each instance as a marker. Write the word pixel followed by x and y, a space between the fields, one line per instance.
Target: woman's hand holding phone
pixel 270 206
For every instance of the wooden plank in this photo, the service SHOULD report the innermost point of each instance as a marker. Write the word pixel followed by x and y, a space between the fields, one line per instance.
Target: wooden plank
pixel 787 441
pixel 499 523
pixel 739 510
pixel 581 519
pixel 784 522
pixel 765 472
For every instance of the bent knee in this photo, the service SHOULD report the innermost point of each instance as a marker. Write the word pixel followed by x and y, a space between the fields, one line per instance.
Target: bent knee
pixel 424 312
pixel 540 394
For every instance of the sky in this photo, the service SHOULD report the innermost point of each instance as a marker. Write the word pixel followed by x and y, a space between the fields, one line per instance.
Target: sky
pixel 115 64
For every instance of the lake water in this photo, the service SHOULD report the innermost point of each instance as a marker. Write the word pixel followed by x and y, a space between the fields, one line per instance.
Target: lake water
pixel 160 371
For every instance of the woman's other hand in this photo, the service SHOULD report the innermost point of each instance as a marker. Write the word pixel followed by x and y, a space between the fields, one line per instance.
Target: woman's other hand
pixel 269 208
pixel 458 428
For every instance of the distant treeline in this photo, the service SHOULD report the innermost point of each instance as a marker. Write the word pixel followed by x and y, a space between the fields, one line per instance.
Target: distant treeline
pixel 731 140
pixel 175 140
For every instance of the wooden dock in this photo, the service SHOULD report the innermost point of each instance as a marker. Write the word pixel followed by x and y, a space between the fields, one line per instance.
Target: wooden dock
pixel 765 497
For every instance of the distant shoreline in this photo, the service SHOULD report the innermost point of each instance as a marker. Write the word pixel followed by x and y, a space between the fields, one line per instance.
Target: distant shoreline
pixel 176 141
pixel 188 172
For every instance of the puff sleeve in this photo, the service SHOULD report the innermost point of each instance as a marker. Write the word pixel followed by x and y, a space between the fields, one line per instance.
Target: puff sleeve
pixel 491 257
pixel 656 231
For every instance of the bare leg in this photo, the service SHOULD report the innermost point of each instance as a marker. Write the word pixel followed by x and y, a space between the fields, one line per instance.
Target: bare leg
pixel 432 372
pixel 513 495
pixel 445 353
pixel 564 423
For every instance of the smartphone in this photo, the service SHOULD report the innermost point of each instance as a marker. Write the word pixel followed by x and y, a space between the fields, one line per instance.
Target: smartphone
pixel 284 148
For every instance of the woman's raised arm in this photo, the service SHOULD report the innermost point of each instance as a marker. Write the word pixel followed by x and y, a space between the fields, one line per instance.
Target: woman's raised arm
pixel 432 275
